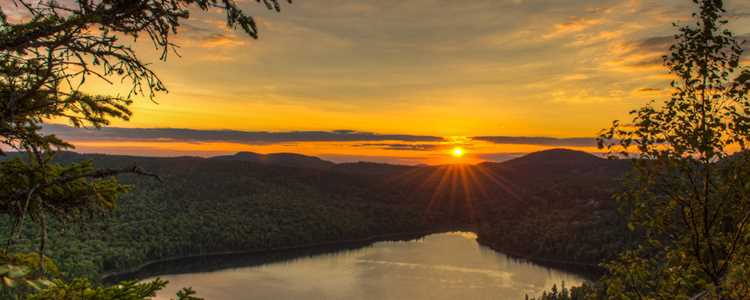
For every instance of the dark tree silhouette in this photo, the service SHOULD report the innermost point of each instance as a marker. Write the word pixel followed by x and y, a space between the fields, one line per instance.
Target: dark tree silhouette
pixel 690 193
pixel 47 53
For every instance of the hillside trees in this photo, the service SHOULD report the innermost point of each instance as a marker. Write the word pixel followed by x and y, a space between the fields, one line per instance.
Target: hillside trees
pixel 48 50
pixel 690 193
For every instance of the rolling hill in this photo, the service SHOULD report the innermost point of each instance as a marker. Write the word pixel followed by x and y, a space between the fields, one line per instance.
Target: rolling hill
pixel 549 205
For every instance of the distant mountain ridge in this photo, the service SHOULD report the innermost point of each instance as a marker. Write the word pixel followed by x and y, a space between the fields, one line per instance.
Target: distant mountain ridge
pixel 548 158
pixel 559 156
pixel 280 159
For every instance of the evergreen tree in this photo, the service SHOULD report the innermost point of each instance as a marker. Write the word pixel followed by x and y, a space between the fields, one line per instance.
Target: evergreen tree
pixel 46 57
pixel 553 293
pixel 564 294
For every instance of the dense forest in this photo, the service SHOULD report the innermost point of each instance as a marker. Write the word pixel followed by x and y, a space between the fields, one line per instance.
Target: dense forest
pixel 252 202
pixel 568 209
pixel 670 218
pixel 214 205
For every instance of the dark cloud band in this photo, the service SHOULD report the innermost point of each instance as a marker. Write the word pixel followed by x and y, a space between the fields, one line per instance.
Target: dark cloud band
pixel 265 137
pixel 542 141
pixel 233 136
pixel 402 146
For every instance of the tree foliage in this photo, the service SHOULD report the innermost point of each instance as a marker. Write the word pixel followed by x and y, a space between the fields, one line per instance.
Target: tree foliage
pixel 689 193
pixel 48 51
pixel 563 293
pixel 214 205
pixel 83 289
pixel 46 58
pixel 19 275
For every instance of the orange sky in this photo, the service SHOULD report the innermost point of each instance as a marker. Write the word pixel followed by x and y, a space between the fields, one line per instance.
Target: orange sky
pixel 561 69
pixel 334 151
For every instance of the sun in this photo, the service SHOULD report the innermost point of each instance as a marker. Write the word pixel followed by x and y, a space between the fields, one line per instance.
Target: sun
pixel 458 152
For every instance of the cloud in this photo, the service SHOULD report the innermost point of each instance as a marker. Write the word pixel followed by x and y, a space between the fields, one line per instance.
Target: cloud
pixel 231 136
pixel 540 141
pixel 206 33
pixel 574 25
pixel 656 44
pixel 575 77
pixel 648 54
pixel 403 146
pixel 644 54
pixel 221 40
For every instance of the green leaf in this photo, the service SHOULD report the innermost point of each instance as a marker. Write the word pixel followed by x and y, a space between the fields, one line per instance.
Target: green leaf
pixel 7 281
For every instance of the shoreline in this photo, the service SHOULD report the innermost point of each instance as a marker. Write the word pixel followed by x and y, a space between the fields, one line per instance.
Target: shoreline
pixel 365 240
pixel 585 270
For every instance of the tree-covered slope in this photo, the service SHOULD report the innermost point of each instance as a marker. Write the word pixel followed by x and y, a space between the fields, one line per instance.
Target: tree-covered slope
pixel 558 206
pixel 549 205
pixel 214 205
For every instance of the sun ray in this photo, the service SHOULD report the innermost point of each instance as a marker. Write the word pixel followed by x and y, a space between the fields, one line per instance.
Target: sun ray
pixel 499 181
pixel 464 172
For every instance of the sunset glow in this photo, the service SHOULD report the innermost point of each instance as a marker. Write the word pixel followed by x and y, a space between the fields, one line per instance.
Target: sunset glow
pixel 375 150
pixel 458 152
pixel 551 69
pixel 409 150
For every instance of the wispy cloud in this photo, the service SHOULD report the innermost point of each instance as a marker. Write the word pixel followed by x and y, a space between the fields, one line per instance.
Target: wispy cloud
pixel 649 90
pixel 575 25
pixel 403 147
pixel 222 40
pixel 432 67
pixel 541 141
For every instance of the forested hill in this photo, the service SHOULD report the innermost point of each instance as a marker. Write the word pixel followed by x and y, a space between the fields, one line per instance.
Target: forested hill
pixel 221 204
pixel 280 159
pixel 558 206
pixel 553 204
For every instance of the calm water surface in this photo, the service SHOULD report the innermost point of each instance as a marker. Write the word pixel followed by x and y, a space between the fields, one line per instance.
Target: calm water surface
pixel 439 266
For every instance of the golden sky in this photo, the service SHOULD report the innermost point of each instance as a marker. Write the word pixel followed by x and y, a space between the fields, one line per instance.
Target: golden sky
pixel 441 68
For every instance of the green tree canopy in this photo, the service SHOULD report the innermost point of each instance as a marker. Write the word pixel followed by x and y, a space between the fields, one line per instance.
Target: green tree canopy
pixel 690 193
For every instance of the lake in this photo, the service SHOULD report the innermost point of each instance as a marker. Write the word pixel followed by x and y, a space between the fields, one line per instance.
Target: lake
pixel 438 266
